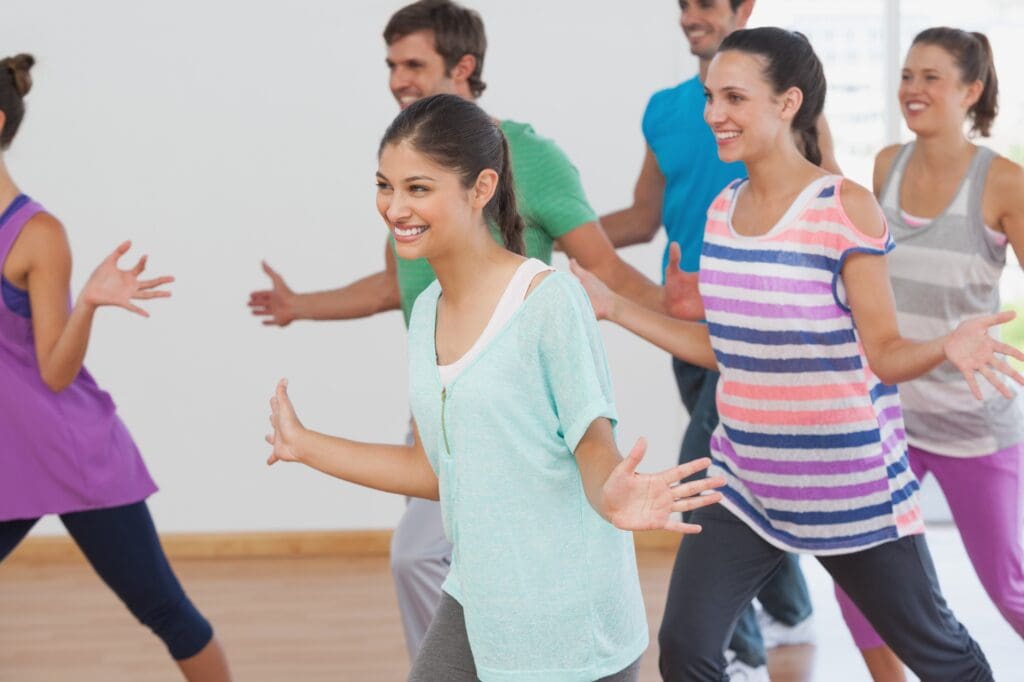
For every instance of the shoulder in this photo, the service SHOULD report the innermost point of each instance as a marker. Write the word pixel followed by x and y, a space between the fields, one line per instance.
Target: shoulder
pixel 424 306
pixel 43 239
pixel 860 206
pixel 885 157
pixel 524 141
pixel 1006 176
pixel 667 99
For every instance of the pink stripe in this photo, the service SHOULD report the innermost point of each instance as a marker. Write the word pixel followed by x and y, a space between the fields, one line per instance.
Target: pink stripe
pixel 814 392
pixel 797 418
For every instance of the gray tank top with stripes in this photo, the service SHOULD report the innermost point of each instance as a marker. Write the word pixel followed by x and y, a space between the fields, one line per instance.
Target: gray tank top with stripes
pixel 944 272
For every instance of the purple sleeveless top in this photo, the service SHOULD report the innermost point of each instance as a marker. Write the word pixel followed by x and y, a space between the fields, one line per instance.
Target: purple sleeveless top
pixel 59 452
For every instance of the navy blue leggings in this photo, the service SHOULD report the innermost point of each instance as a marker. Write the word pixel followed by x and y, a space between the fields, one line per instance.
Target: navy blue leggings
pixel 122 545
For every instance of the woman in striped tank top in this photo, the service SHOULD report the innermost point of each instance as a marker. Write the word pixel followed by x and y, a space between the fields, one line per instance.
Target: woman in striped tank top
pixel 802 327
pixel 946 269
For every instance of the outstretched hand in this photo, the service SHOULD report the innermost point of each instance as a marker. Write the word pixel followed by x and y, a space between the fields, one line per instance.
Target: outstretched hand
pixel 274 303
pixel 286 425
pixel 109 285
pixel 602 299
pixel 971 349
pixel 633 501
pixel 682 291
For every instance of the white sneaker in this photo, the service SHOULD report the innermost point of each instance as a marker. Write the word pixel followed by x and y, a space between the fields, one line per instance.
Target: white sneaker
pixel 776 633
pixel 738 671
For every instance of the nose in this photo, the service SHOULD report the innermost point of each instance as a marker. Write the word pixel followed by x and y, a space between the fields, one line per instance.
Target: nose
pixel 713 112
pixel 396 210
pixel 399 78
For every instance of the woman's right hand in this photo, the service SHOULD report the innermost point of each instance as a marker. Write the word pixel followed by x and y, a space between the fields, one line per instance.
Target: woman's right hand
pixel 287 427
pixel 971 349
pixel 109 285
pixel 602 299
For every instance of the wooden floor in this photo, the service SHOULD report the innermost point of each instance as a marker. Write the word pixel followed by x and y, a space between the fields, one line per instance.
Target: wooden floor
pixel 311 619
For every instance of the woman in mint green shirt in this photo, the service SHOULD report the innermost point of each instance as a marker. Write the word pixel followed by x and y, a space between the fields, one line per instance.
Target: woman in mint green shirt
pixel 513 402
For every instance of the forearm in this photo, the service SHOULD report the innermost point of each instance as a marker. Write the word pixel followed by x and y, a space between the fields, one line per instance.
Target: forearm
pixel 399 469
pixel 596 462
pixel 624 228
pixel 899 359
pixel 627 281
pixel 59 367
pixel 368 296
pixel 685 340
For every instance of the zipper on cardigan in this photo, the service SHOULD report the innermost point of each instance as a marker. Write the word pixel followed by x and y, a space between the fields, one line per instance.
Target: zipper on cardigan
pixel 444 430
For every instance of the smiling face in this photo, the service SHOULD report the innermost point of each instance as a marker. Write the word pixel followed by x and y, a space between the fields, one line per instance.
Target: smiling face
pixel 416 69
pixel 425 206
pixel 932 94
pixel 706 23
pixel 746 115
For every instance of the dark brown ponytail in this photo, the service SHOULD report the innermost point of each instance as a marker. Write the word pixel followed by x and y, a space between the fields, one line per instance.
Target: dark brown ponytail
pixel 973 56
pixel 15 82
pixel 458 135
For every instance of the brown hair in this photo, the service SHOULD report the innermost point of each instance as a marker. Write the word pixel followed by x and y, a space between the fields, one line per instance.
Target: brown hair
pixel 15 82
pixel 973 56
pixel 458 135
pixel 458 31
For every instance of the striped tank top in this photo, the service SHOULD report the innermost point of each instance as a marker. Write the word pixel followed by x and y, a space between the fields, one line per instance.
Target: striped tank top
pixel 810 442
pixel 945 271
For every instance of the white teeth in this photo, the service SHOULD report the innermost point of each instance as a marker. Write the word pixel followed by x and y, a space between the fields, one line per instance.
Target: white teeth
pixel 727 135
pixel 409 231
pixel 916 106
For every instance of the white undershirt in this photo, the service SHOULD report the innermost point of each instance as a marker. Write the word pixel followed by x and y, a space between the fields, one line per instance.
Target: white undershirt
pixel 513 297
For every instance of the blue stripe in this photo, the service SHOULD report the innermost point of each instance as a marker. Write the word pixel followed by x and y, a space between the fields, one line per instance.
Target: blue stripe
pixel 906 492
pixel 817 441
pixel 782 338
pixel 881 389
pixel 796 258
pixel 18 202
pixel 827 192
pixel 787 365
pixel 811 544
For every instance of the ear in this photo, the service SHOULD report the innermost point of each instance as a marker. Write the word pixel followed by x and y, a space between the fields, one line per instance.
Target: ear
pixel 484 188
pixel 973 94
pixel 791 100
pixel 463 68
pixel 743 13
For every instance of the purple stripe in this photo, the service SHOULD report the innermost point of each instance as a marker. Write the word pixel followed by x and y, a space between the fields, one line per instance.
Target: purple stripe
pixel 896 439
pixel 738 307
pixel 840 492
pixel 797 468
pixel 888 415
pixel 784 284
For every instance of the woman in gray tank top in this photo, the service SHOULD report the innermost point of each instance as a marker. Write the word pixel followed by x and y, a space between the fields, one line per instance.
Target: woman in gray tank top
pixel 954 207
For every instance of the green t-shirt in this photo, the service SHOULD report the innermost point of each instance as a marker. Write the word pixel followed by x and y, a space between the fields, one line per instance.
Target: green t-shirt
pixel 550 198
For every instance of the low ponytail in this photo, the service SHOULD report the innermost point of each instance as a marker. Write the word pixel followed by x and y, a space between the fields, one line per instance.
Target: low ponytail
pixel 983 113
pixel 15 82
pixel 809 144
pixel 505 208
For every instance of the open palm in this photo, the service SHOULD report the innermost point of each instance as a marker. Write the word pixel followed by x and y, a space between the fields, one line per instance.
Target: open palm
pixel 682 290
pixel 633 501
pixel 971 349
pixel 286 424
pixel 110 285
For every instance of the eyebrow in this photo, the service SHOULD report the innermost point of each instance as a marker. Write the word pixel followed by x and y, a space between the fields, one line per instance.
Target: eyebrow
pixel 411 178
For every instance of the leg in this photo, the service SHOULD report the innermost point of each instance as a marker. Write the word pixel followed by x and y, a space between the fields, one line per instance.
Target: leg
pixel 12 532
pixel 786 597
pixel 445 654
pixel 894 585
pixel 882 663
pixel 984 494
pixel 122 545
pixel 420 557
pixel 715 576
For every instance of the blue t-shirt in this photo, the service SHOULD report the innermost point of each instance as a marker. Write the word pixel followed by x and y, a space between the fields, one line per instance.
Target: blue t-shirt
pixel 687 155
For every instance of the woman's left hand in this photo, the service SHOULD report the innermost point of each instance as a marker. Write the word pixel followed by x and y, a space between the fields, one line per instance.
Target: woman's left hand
pixel 109 285
pixel 633 501
pixel 972 349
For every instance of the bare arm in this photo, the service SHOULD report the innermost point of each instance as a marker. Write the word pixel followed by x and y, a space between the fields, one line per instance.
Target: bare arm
pixel 400 469
pixel 640 222
pixel 62 337
pixel 589 246
pixel 368 296
pixel 633 501
pixel 686 340
pixel 893 358
pixel 1005 190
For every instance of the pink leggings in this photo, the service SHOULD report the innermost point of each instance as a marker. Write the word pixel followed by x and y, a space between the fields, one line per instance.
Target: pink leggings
pixel 984 494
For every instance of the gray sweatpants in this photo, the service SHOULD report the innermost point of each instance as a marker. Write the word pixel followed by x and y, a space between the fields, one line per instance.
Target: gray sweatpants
pixel 445 655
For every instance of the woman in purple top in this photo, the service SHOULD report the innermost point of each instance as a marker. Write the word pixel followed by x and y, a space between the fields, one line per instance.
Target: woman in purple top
pixel 65 451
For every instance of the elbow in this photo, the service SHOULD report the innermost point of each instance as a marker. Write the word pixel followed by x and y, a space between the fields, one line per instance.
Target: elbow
pixel 55 384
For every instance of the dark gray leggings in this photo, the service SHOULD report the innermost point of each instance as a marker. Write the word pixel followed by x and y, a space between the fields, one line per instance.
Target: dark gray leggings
pixel 718 571
pixel 445 654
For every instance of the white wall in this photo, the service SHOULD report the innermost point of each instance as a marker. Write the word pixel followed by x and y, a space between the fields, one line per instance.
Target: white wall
pixel 218 133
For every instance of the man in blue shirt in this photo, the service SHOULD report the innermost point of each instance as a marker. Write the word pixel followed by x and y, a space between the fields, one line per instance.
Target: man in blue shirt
pixel 680 177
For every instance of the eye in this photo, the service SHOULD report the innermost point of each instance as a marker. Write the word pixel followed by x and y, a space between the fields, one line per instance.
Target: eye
pixel 734 98
pixel 707 97
pixel 418 189
pixel 382 186
pixel 905 77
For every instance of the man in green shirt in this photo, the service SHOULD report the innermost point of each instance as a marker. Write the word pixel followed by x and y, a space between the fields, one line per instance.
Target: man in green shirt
pixel 433 47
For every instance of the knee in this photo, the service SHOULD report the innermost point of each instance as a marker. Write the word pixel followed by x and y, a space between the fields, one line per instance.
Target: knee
pixel 178 624
pixel 686 655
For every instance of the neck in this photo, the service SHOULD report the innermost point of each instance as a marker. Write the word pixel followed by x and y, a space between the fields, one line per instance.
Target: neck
pixel 461 270
pixel 942 150
pixel 8 190
pixel 779 172
pixel 702 66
